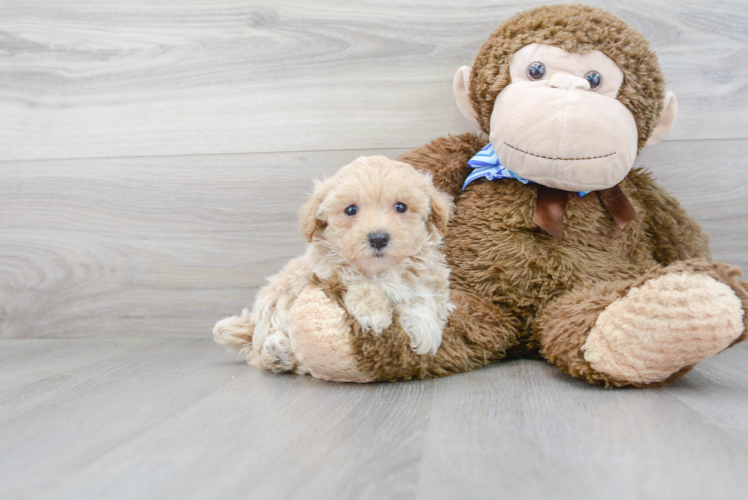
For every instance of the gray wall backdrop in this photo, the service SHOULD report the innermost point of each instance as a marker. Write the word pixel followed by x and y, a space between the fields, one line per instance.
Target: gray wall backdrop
pixel 153 155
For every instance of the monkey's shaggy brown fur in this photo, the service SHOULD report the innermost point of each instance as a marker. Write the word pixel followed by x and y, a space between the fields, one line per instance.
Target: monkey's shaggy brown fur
pixel 518 291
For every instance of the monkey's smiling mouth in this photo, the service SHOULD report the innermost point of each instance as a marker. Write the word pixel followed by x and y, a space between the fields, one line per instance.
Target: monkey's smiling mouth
pixel 564 159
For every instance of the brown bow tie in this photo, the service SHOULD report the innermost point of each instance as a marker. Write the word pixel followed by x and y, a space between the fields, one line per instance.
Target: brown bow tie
pixel 551 207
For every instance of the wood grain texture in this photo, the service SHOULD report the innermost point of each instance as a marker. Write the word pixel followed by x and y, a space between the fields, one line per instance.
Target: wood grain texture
pixel 153 157
pixel 95 78
pixel 155 246
pixel 167 246
pixel 147 419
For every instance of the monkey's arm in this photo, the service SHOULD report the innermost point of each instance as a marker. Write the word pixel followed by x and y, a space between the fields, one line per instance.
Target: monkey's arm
pixel 675 234
pixel 446 159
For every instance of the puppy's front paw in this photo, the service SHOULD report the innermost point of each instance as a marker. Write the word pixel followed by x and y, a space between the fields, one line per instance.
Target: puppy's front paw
pixel 377 322
pixel 370 307
pixel 423 327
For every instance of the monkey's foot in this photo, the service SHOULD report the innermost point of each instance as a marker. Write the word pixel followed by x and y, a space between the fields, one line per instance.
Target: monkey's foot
pixel 321 339
pixel 663 326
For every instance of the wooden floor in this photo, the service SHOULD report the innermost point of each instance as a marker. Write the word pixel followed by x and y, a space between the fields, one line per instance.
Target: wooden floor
pixel 179 418
pixel 153 157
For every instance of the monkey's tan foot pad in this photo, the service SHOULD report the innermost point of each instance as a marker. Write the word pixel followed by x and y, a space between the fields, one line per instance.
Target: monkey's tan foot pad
pixel 662 326
pixel 321 339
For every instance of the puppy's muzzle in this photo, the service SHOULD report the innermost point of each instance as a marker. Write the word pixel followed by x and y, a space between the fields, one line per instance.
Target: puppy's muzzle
pixel 378 240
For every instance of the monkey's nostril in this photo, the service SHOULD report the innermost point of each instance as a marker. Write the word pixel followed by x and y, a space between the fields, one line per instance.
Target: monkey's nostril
pixel 378 240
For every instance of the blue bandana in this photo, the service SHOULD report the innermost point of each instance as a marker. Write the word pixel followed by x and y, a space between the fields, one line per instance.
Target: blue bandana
pixel 486 164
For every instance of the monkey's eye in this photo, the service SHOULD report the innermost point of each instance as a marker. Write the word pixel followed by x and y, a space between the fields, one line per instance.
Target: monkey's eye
pixel 400 207
pixel 351 210
pixel 536 70
pixel 595 79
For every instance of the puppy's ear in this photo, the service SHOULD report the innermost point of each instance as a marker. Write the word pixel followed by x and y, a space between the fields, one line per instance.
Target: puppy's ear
pixel 309 213
pixel 442 209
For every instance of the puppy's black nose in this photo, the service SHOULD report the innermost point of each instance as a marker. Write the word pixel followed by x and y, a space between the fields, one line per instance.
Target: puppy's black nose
pixel 378 240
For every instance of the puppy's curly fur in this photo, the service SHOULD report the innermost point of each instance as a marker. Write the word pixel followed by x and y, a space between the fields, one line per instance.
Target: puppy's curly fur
pixel 408 276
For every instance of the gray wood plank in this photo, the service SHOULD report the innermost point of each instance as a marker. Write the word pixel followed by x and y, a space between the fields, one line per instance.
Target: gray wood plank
pixel 183 419
pixel 166 246
pixel 144 428
pixel 542 435
pixel 51 361
pixel 95 78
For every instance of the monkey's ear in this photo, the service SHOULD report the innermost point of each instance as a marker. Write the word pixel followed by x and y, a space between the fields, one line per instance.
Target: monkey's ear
pixel 309 213
pixel 442 209
pixel 461 88
pixel 667 119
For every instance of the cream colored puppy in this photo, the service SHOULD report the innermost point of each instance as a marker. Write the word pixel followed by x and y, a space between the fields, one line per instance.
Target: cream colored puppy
pixel 374 227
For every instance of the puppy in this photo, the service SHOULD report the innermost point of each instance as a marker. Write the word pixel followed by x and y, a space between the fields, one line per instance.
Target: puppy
pixel 375 227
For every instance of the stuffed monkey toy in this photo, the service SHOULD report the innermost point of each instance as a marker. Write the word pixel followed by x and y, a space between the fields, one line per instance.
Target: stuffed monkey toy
pixel 558 248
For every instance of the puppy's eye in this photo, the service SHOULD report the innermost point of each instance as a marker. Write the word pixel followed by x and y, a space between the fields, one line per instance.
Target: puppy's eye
pixel 400 207
pixel 351 210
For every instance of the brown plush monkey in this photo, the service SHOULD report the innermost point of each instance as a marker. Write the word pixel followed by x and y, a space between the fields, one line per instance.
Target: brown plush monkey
pixel 558 249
